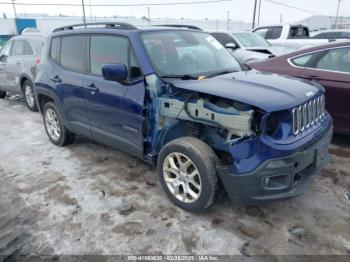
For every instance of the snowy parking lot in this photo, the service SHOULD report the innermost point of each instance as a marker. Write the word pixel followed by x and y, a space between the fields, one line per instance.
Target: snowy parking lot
pixel 90 199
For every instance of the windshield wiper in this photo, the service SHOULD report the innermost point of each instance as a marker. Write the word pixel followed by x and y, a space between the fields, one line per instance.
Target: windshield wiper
pixel 182 77
pixel 221 73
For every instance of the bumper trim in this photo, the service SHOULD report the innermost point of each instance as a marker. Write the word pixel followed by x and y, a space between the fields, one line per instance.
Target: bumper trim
pixel 292 174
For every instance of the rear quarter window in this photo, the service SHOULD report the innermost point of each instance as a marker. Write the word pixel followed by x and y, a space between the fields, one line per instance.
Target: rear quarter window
pixel 54 49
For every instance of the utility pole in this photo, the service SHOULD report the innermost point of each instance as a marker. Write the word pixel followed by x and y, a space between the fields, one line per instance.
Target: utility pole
pixel 149 15
pixel 84 17
pixel 336 17
pixel 254 13
pixel 14 8
pixel 259 12
pixel 228 20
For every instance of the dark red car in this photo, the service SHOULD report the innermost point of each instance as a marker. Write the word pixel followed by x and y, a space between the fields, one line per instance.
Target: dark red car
pixel 329 65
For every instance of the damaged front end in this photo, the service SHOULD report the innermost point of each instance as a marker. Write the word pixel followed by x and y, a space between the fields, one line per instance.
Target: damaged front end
pixel 260 158
pixel 172 113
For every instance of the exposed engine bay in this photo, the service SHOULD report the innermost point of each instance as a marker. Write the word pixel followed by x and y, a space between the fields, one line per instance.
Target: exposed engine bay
pixel 219 113
pixel 173 112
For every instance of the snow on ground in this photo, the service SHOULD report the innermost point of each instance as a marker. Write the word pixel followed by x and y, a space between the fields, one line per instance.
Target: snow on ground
pixel 90 199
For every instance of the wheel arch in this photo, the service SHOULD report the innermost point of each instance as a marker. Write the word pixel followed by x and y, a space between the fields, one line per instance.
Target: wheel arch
pixel 22 79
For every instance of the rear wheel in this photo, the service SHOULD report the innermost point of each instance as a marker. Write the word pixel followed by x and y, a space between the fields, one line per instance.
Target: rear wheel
pixel 2 94
pixel 56 131
pixel 29 95
pixel 186 169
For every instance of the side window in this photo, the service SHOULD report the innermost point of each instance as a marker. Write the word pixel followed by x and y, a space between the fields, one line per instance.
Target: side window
pixel 107 50
pixel 223 38
pixel 302 60
pixel 332 34
pixel 27 49
pixel 17 48
pixel 335 60
pixel 5 50
pixel 345 34
pixel 73 52
pixel 275 32
pixel 54 50
pixel 262 32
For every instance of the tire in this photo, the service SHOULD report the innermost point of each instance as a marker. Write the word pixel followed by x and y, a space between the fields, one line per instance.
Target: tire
pixel 2 94
pixel 203 160
pixel 54 127
pixel 29 97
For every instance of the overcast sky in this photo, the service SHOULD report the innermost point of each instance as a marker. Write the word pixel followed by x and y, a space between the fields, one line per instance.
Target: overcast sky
pixel 239 9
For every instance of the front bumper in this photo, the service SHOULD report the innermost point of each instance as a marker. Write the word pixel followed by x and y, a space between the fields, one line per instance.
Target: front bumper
pixel 278 179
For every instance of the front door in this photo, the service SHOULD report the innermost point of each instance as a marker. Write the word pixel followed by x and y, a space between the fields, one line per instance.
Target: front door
pixel 115 110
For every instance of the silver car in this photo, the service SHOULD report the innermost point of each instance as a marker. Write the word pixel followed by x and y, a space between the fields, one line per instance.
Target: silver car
pixel 248 46
pixel 19 57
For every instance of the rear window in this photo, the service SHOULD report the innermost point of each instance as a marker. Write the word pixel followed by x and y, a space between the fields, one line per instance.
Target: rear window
pixel 17 48
pixel 297 32
pixel 275 32
pixel 224 38
pixel 73 52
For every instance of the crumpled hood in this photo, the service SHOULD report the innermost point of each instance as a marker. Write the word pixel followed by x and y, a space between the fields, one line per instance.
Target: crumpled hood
pixel 269 92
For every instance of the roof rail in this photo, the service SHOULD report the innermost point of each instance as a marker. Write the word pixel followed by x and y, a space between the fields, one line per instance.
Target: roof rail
pixel 112 25
pixel 183 26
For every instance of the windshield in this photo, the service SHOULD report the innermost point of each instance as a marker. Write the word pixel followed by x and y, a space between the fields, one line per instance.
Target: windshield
pixel 251 39
pixel 179 53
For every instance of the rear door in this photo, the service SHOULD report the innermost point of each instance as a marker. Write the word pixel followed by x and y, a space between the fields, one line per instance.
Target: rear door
pixel 115 111
pixel 332 70
pixel 66 75
pixel 14 65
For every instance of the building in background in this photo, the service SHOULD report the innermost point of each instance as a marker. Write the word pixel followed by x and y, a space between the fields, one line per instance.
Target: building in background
pixel 46 24
pixel 320 22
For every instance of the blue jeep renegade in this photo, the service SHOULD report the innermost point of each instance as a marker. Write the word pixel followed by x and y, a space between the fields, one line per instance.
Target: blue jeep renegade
pixel 176 98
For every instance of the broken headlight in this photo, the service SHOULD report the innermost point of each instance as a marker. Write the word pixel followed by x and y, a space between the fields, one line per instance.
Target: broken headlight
pixel 272 124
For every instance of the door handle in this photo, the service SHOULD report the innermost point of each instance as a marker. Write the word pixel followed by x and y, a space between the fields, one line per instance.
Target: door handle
pixel 92 88
pixel 19 62
pixel 56 79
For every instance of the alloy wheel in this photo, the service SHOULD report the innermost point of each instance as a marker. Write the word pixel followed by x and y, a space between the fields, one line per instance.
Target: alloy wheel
pixel 182 177
pixel 52 124
pixel 29 95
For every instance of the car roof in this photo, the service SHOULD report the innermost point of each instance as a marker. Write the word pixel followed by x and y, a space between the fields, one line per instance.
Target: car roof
pixel 29 37
pixel 105 27
pixel 330 30
pixel 336 44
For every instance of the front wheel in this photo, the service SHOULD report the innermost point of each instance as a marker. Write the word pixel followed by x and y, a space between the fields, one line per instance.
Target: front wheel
pixel 53 122
pixel 186 169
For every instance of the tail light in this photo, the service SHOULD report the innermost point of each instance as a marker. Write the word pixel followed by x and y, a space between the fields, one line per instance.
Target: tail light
pixel 37 60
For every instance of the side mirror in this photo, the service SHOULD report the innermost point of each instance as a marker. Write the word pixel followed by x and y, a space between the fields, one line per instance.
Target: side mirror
pixel 115 72
pixel 231 46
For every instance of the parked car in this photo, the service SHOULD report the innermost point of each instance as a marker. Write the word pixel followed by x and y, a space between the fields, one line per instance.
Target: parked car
pixel 331 34
pixel 248 46
pixel 329 65
pixel 292 36
pixel 18 60
pixel 176 98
